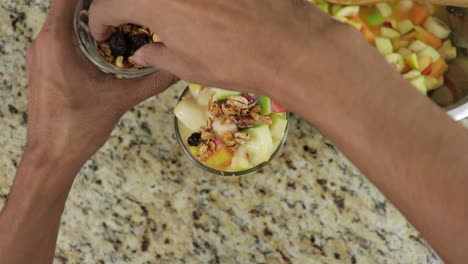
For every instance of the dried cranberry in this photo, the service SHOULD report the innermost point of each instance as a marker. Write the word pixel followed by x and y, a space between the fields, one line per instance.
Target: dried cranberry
pixel 118 44
pixel 194 140
pixel 251 99
pixel 138 41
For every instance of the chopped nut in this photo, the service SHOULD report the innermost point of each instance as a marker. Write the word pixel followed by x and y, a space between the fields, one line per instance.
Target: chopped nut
pixel 256 109
pixel 238 101
pixel 265 119
pixel 229 110
pixel 242 137
pixel 119 62
pixel 206 135
pixel 155 38
pixel 255 116
pixel 209 123
pixel 203 151
pixel 246 122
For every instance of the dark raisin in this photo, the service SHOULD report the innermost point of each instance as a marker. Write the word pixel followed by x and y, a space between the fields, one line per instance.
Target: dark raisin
pixel 194 139
pixel 457 11
pixel 138 41
pixel 119 44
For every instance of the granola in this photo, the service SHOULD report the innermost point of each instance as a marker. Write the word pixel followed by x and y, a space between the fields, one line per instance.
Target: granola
pixel 123 43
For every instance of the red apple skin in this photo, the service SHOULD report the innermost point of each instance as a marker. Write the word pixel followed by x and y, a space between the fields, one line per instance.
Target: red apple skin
pixel 277 108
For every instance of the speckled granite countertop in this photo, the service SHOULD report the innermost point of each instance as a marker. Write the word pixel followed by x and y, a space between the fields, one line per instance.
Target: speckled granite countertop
pixel 139 200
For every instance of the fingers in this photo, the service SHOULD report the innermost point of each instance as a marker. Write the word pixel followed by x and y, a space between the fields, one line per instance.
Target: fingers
pixel 149 86
pixel 159 56
pixel 61 15
pixel 104 15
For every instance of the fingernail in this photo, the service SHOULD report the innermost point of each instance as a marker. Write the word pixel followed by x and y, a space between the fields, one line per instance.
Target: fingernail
pixel 137 60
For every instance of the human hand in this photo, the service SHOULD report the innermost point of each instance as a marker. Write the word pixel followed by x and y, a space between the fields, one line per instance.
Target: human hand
pixel 231 44
pixel 73 106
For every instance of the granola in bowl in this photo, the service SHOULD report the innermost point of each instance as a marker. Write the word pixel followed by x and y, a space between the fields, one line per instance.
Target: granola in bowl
pixel 228 132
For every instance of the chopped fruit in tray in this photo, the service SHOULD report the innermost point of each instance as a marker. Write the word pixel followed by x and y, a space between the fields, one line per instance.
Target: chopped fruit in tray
pixel 411 36
pixel 230 131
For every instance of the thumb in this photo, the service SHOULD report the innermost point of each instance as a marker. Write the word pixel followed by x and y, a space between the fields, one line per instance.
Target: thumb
pixel 159 56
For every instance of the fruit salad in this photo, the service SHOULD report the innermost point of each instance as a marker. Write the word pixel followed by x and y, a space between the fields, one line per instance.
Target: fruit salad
pixel 230 131
pixel 411 36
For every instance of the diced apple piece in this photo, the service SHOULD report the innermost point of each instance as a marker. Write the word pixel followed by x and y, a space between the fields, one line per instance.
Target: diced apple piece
pixel 425 64
pixel 431 53
pixel 277 107
pixel 193 150
pixel 420 84
pixel 347 11
pixel 279 122
pixel 385 9
pixel 240 160
pixel 195 89
pixel 220 160
pixel 405 5
pixel 417 46
pixel 427 37
pixel 220 127
pixel 384 45
pixel 204 96
pixel 375 19
pixel 412 61
pixel 447 50
pixel 389 33
pixel 335 8
pixel 404 52
pixel 433 83
pixel 324 6
pixel 412 74
pixel 439 68
pixel 396 60
pixel 437 27
pixel 191 114
pixel 399 43
pixel 265 104
pixel 260 147
pixel 405 26
pixel 222 94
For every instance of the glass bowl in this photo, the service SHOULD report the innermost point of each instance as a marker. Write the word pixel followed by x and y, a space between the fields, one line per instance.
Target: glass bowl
pixel 185 149
pixel 88 46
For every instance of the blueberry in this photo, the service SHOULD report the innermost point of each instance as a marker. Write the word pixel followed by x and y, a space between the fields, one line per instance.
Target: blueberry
pixel 138 41
pixel 119 44
pixel 194 140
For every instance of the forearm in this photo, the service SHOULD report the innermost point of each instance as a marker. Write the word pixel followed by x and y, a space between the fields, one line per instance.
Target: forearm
pixel 406 145
pixel 29 223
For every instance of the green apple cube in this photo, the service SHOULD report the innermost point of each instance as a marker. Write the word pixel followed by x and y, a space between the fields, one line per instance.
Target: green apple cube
pixel 389 33
pixel 405 26
pixel 347 11
pixel 433 83
pixel 260 147
pixel 192 115
pixel 412 74
pixel 404 52
pixel 437 27
pixel 417 46
pixel 195 89
pixel 240 160
pixel 431 53
pixel 385 9
pixel 222 94
pixel 324 6
pixel 279 122
pixel 265 104
pixel 375 19
pixel 447 50
pixel 412 61
pixel 384 45
pixel 396 60
pixel 420 84
pixel 424 62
